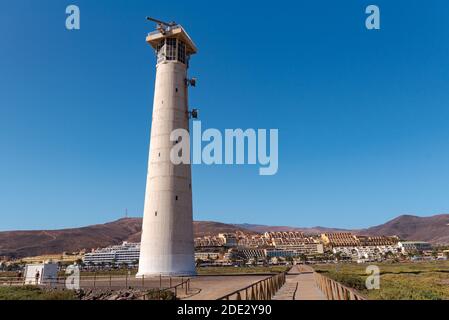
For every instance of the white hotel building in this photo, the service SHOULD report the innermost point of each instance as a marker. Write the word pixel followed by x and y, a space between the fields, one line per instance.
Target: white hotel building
pixel 126 253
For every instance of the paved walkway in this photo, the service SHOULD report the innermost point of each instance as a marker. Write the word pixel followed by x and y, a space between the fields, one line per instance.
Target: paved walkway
pixel 214 287
pixel 300 285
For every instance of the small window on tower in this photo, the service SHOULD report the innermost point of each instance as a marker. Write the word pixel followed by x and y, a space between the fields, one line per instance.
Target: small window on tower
pixel 181 51
pixel 155 213
pixel 176 89
pixel 160 51
pixel 176 198
pixel 171 48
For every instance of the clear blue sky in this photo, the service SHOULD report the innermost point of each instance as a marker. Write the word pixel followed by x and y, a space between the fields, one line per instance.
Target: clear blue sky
pixel 362 115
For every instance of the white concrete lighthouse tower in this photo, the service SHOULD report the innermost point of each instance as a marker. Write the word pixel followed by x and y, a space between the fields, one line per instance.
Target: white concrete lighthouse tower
pixel 167 231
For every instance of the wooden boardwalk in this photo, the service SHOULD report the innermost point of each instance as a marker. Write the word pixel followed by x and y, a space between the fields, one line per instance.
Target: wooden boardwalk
pixel 213 287
pixel 300 285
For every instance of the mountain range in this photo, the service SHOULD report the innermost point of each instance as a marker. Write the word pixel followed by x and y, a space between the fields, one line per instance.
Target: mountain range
pixel 16 244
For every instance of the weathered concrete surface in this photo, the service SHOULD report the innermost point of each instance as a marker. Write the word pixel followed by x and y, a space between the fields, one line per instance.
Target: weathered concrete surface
pixel 300 285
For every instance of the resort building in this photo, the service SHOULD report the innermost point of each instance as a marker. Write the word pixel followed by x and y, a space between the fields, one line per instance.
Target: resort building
pixel 414 246
pixel 126 253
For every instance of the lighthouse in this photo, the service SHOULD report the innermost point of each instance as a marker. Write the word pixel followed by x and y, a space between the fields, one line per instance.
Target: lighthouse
pixel 167 231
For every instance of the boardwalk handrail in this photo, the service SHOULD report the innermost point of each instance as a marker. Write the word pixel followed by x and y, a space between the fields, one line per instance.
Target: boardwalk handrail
pixel 260 290
pixel 110 282
pixel 335 290
pixel 100 281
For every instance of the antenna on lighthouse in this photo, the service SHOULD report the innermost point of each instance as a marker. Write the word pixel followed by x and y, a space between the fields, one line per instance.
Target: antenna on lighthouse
pixel 161 25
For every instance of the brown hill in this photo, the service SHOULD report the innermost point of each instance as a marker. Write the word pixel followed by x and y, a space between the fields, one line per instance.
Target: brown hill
pixel 434 229
pixel 18 244
pixel 202 228
pixel 32 243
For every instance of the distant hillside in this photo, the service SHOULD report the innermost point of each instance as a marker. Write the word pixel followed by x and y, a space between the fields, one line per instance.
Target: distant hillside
pixel 204 228
pixel 434 229
pixel 31 243
pixel 18 244
pixel 201 229
pixel 260 228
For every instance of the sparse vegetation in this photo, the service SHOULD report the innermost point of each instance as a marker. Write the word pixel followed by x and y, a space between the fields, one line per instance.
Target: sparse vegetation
pixel 156 295
pixel 35 293
pixel 399 281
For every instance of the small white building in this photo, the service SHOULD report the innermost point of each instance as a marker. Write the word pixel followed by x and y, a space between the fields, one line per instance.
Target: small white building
pixel 413 246
pixel 41 273
pixel 207 255
pixel 229 239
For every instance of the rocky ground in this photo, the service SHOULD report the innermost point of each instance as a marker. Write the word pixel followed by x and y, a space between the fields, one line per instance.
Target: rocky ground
pixel 127 294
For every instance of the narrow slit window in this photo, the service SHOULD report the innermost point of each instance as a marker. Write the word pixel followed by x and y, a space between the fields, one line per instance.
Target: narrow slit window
pixel 181 51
